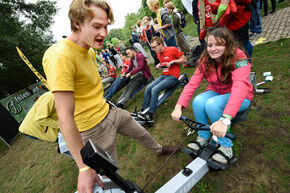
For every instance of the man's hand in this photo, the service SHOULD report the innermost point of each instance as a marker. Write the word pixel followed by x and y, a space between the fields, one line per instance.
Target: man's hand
pixel 170 63
pixel 86 181
pixel 157 29
pixel 158 66
pixel 128 75
pixel 219 129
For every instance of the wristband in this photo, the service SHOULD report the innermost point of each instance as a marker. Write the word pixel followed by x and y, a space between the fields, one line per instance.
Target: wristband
pixel 84 169
pixel 227 116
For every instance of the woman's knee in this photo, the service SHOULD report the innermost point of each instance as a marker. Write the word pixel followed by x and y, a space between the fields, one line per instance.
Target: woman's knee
pixel 198 101
pixel 210 105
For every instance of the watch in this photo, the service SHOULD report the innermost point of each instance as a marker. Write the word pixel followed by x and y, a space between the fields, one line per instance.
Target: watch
pixel 226 121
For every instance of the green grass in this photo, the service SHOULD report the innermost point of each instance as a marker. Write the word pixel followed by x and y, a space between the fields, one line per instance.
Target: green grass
pixel 262 144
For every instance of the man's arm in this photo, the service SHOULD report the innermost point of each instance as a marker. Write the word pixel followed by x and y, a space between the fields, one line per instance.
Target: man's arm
pixel 180 60
pixel 140 59
pixel 65 104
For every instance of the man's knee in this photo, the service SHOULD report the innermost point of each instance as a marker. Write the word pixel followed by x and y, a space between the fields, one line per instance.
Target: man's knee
pixel 155 91
pixel 123 114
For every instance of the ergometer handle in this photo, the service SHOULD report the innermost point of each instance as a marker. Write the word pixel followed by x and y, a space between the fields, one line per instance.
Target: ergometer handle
pixel 203 127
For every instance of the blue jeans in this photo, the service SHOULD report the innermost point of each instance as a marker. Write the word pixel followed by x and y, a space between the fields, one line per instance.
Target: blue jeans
pixel 210 105
pixel 152 91
pixel 256 20
pixel 171 41
pixel 249 49
pixel 114 87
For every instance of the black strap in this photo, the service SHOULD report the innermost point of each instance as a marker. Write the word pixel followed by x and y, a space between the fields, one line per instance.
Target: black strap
pixel 224 155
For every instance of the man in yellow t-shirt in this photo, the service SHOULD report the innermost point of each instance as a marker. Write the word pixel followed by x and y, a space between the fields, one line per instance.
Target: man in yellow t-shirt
pixel 75 82
pixel 41 120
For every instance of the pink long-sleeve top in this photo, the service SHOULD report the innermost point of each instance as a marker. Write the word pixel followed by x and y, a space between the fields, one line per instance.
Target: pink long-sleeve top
pixel 239 86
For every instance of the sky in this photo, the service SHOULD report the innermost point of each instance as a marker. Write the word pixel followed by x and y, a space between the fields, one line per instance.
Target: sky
pixel 120 9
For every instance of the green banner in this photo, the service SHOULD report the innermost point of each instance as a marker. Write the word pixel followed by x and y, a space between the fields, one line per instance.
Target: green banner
pixel 18 104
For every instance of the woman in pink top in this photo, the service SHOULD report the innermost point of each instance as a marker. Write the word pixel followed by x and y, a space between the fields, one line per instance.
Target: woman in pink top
pixel 226 68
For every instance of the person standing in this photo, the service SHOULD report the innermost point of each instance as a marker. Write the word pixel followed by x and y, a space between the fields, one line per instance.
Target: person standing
pixel 181 42
pixel 164 22
pixel 115 55
pixel 237 21
pixel 255 21
pixel 148 33
pixel 78 93
pixel 273 3
pixel 122 47
pixel 135 41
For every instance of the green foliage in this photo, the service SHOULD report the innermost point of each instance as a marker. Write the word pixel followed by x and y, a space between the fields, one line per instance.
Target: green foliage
pixel 25 25
pixel 115 33
pixel 115 41
pixel 178 4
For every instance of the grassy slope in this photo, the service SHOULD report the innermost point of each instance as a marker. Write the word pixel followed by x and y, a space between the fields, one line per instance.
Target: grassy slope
pixel 262 145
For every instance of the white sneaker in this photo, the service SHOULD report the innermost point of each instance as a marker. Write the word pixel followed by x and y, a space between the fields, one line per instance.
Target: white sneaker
pixel 228 151
pixel 199 140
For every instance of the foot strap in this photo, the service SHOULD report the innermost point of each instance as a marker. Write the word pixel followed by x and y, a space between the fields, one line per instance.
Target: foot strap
pixel 224 155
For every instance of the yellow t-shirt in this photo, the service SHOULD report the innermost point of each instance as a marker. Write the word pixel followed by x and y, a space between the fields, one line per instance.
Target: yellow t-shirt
pixel 41 120
pixel 69 67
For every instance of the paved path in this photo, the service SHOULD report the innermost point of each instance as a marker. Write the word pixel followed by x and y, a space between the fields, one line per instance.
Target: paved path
pixel 275 26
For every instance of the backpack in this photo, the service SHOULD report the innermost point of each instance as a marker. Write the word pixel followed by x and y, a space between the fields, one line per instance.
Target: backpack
pixel 182 19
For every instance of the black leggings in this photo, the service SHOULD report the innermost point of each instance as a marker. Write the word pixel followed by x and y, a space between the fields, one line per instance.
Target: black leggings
pixel 265 2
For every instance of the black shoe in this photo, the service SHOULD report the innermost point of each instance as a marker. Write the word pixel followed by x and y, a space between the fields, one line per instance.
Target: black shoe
pixel 120 105
pixel 266 14
pixel 136 112
pixel 146 116
pixel 273 11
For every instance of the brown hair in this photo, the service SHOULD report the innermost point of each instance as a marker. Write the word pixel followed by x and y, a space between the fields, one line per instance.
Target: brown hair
pixel 156 39
pixel 139 23
pixel 131 48
pixel 169 5
pixel 165 2
pixel 224 37
pixel 79 10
